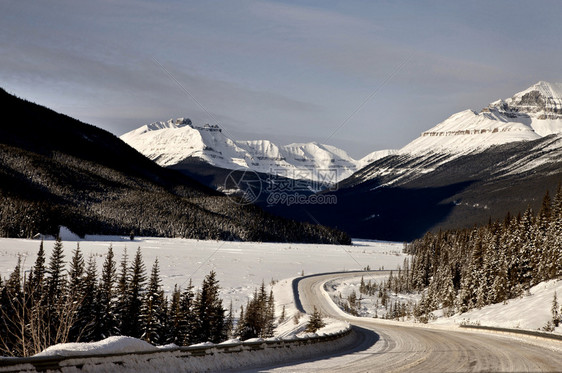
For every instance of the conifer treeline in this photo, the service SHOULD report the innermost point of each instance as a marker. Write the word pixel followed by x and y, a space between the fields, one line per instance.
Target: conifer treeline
pixel 53 305
pixel 469 268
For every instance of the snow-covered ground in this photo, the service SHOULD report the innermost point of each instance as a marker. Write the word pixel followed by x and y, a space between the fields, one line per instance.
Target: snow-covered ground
pixel 531 311
pixel 370 306
pixel 111 345
pixel 240 266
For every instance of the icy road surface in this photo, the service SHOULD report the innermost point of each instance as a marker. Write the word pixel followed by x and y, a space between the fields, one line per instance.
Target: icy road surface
pixel 396 347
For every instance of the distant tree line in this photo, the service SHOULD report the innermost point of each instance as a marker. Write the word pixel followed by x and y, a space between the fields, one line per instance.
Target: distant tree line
pixel 459 270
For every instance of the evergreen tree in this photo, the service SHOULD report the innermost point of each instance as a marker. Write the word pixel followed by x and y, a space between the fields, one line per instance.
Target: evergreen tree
pixel 153 311
pixel 56 280
pixel 36 281
pixel 187 317
pixel 87 326
pixel 56 300
pixel 258 320
pixel 229 322
pixel 174 319
pixel 121 304
pixel 555 311
pixel 315 322
pixel 209 313
pixel 107 303
pixel 132 322
pixel 76 273
pixel 12 318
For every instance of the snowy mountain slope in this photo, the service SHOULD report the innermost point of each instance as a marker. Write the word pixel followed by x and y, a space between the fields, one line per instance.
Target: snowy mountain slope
pixel 172 142
pixel 529 115
pixel 467 169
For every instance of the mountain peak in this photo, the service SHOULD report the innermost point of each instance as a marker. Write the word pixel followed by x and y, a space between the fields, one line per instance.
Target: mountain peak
pixel 542 100
pixel 528 115
pixel 175 141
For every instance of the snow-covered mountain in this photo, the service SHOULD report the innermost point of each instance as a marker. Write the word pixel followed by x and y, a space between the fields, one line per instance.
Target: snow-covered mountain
pixel 465 170
pixel 172 142
pixel 529 115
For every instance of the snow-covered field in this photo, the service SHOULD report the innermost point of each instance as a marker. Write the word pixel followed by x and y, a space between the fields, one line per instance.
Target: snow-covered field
pixel 240 266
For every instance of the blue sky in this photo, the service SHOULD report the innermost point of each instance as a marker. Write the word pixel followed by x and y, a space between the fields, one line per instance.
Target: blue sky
pixel 288 71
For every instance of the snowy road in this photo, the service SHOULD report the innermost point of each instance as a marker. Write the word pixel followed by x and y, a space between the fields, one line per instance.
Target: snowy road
pixel 393 347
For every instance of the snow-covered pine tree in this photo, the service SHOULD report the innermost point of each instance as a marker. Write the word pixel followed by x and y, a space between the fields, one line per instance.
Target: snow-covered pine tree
pixel 173 320
pixel 316 322
pixel 153 310
pixel 229 322
pixel 187 317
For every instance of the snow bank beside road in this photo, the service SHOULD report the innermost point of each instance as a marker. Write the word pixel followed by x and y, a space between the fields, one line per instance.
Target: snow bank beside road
pixel 111 345
pixel 249 355
pixel 530 311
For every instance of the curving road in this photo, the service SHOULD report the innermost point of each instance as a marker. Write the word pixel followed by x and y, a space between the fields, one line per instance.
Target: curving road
pixel 381 346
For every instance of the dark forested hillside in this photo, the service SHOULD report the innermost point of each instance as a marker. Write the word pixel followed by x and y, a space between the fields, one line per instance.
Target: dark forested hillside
pixel 467 268
pixel 460 193
pixel 57 171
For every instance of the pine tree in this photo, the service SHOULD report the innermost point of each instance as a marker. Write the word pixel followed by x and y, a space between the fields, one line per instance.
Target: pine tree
pixel 153 309
pixel 315 322
pixel 240 327
pixel 87 323
pixel 76 292
pixel 187 317
pixel 107 303
pixel 283 315
pixel 122 301
pixel 135 290
pixel 11 313
pixel 229 322
pixel 209 313
pixel 174 319
pixel 76 273
pixel 269 322
pixel 555 311
pixel 56 292
pixel 36 281
pixel 56 280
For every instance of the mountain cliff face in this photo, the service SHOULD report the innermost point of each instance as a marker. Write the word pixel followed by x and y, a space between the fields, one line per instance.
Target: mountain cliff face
pixel 465 170
pixel 179 141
